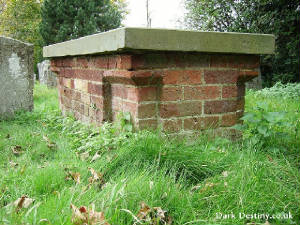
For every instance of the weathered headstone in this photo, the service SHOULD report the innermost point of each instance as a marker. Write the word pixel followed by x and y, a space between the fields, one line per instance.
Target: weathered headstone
pixel 255 84
pixel 46 76
pixel 16 76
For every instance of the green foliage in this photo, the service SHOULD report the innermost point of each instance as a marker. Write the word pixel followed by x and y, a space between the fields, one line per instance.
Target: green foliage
pixel 277 17
pixel 284 91
pixel 261 127
pixel 70 19
pixel 269 125
pixel 125 122
pixel 20 20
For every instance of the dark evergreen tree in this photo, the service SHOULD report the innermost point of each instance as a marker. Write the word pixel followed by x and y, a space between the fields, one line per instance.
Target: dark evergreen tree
pixel 69 19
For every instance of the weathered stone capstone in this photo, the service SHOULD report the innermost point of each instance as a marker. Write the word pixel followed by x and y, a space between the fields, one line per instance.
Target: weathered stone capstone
pixel 16 76
pixel 182 81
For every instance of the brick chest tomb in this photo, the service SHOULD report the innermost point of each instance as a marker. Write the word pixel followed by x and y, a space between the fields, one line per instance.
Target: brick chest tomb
pixel 182 81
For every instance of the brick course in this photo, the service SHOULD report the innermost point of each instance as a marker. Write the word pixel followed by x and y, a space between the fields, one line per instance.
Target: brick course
pixel 179 92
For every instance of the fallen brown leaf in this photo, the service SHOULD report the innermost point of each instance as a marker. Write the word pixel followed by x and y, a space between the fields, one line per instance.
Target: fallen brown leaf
pixel 195 188
pixel 154 216
pixel 13 164
pixel 17 150
pixel 145 209
pixel 77 216
pixel 50 144
pixel 84 216
pixel 159 212
pixel 161 216
pixel 95 157
pixel 76 177
pixel 73 176
pixel 23 202
pixel 96 178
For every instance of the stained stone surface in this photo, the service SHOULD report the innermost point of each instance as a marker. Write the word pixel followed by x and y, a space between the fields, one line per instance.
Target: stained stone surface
pixel 16 76
pixel 144 39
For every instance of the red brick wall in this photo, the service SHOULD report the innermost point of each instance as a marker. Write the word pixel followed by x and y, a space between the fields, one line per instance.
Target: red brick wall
pixel 182 92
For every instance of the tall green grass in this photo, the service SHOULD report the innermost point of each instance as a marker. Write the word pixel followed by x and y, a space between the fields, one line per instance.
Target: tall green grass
pixel 192 181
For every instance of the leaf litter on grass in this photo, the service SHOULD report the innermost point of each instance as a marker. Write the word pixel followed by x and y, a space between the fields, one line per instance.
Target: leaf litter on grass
pixel 96 178
pixel 73 176
pixel 50 144
pixel 17 150
pixel 20 203
pixel 152 216
pixel 87 216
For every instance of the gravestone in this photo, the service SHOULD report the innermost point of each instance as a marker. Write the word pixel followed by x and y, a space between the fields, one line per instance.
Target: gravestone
pixel 46 76
pixel 180 81
pixel 16 76
pixel 255 84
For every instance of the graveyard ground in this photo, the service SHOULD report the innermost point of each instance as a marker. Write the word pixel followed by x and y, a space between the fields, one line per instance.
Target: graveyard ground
pixel 58 162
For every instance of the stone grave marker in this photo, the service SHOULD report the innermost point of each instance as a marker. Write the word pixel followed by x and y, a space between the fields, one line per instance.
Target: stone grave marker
pixel 16 76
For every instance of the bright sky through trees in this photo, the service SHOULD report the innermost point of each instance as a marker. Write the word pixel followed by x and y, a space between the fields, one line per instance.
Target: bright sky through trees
pixel 163 13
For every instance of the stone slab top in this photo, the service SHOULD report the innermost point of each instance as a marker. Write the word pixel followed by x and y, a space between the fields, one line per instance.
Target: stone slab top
pixel 129 39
